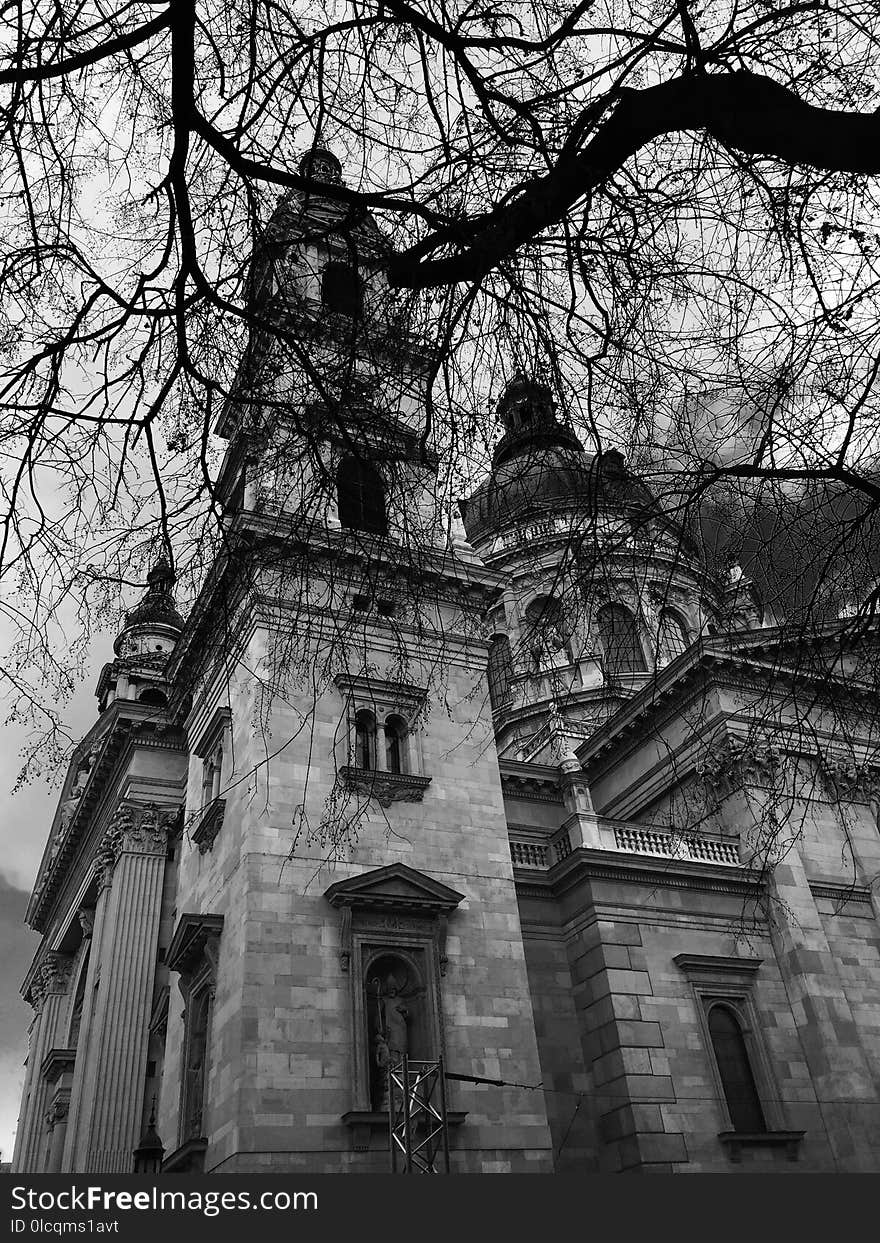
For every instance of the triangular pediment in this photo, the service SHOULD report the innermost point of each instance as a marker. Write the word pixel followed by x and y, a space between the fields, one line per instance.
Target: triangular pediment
pixel 396 887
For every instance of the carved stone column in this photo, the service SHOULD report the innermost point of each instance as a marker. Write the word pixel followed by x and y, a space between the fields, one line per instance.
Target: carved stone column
pixel 85 1068
pixel 49 995
pixel 132 859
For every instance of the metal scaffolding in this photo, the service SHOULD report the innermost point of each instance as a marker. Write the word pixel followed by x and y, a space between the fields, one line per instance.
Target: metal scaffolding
pixel 418 1129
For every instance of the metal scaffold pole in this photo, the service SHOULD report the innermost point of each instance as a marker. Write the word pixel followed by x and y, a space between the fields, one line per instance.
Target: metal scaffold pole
pixel 418 1130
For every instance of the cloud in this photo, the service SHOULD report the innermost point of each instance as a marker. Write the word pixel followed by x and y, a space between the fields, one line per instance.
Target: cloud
pixel 19 945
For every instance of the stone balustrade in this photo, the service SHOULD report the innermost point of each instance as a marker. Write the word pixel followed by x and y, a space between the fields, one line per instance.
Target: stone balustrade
pixel 531 852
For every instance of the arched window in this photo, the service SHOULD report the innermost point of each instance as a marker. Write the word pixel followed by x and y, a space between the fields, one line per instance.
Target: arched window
pixel 620 640
pixel 500 669
pixel 395 744
pixel 364 739
pixel 361 497
pixel 341 289
pixel 198 1022
pixel 549 635
pixel 735 1071
pixel 672 638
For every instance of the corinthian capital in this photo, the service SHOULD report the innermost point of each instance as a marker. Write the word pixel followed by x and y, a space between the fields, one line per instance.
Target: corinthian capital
pixel 136 828
pixel 847 778
pixel 55 973
pixel 733 763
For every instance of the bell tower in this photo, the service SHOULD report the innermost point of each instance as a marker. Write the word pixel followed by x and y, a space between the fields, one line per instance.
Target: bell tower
pixel 345 890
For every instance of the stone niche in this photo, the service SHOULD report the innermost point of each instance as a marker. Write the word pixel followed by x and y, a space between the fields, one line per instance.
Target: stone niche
pixel 393 948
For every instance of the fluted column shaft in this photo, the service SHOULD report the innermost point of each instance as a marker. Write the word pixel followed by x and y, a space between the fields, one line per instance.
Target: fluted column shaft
pixel 111 1100
pixel 85 1067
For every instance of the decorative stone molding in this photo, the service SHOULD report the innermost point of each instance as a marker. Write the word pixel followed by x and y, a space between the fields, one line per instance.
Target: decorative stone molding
pixel 393 921
pixel 386 788
pixel 382 696
pixel 533 782
pixel 394 899
pixel 213 733
pixel 718 969
pixel 736 763
pixel 849 779
pixel 159 1016
pixel 56 1063
pixel 195 948
pixel 841 895
pixel 209 822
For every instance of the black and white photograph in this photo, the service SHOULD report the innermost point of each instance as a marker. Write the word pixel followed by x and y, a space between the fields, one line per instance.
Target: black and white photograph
pixel 439 602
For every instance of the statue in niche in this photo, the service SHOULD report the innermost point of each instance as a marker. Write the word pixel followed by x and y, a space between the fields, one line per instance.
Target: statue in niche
pixel 392 1015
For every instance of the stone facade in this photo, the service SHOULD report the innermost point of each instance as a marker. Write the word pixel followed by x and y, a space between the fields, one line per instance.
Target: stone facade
pixel 551 802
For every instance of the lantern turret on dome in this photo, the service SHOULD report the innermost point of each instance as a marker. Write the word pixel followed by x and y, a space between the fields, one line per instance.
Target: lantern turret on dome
pixel 153 625
pixel 144 644
pixel 540 465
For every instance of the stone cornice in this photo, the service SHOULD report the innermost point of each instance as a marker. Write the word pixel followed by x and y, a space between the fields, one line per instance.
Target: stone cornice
pixel 840 893
pixel 406 696
pixel 195 938
pixel 698 966
pixel 56 1063
pixel 537 782
pixel 434 569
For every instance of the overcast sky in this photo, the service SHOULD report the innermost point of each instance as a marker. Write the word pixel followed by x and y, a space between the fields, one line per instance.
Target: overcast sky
pixel 24 826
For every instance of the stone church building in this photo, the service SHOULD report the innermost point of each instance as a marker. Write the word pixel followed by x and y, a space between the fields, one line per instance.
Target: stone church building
pixel 535 791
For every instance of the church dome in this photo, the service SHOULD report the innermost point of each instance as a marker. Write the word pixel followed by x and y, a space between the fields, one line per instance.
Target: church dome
pixel 156 611
pixel 540 465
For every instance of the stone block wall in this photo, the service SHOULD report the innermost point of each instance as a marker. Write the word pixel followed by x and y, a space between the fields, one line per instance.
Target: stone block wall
pixel 282 1038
